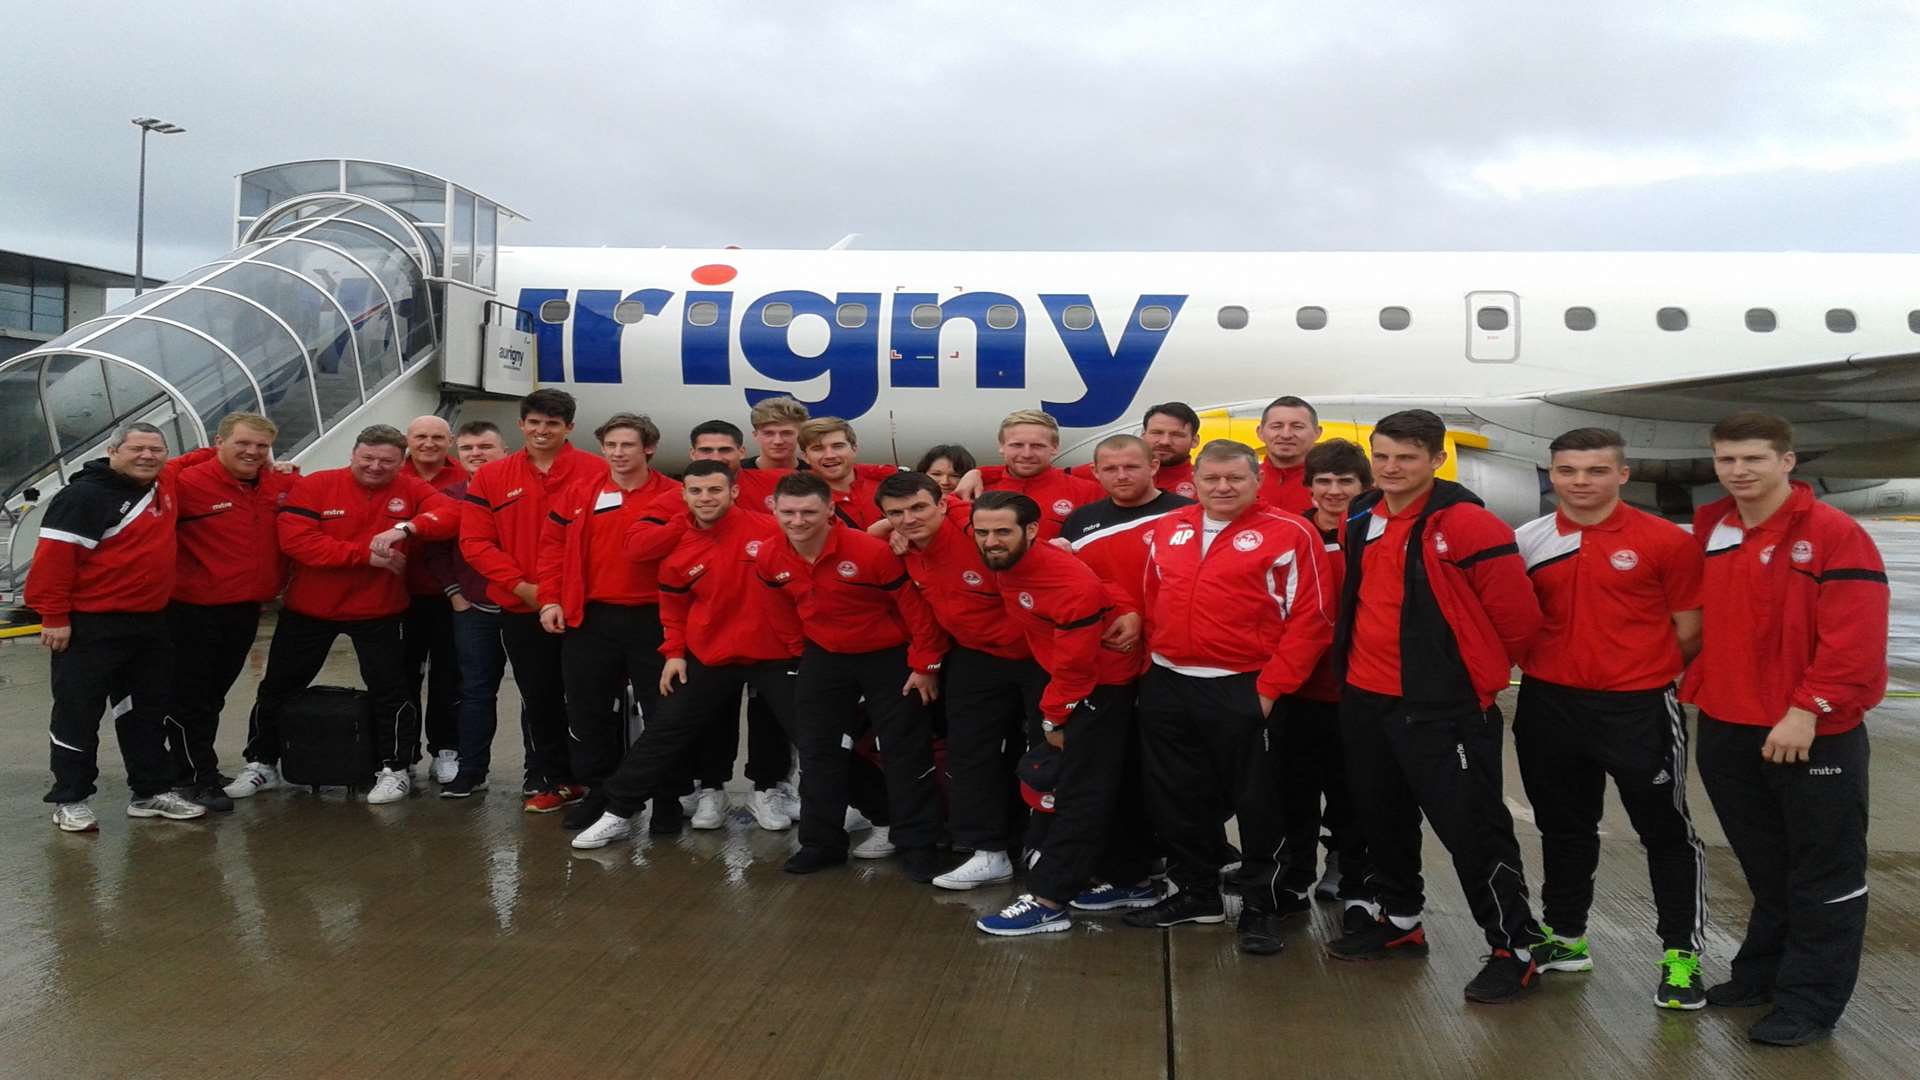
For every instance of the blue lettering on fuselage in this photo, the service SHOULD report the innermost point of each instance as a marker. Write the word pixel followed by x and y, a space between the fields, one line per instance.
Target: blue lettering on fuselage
pixel 852 358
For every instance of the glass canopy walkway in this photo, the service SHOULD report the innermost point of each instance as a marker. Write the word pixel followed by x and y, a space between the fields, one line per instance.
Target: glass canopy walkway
pixel 335 292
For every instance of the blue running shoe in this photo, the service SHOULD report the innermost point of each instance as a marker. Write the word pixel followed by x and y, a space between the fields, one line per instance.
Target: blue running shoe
pixel 1026 916
pixel 1105 897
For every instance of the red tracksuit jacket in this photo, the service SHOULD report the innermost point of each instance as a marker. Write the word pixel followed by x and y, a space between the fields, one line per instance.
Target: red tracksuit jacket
pixel 1258 600
pixel 963 593
pixel 583 554
pixel 506 511
pixel 1058 493
pixel 1324 683
pixel 855 597
pixel 712 603
pixel 229 534
pixel 1174 479
pixel 326 528
pixel 1286 489
pixel 1064 610
pixel 106 544
pixel 1794 614
pixel 1112 540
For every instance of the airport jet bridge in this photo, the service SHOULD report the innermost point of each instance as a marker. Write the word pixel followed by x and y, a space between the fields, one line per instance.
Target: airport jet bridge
pixel 357 292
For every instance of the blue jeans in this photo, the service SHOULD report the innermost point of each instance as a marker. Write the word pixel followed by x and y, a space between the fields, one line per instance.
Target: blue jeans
pixel 482 663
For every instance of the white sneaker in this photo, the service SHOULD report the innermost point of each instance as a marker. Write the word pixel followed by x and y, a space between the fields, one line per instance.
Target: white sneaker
pixel 876 846
pixel 167 804
pixel 389 786
pixel 789 799
pixel 446 766
pixel 75 817
pixel 609 828
pixel 768 811
pixel 856 821
pixel 710 809
pixel 255 778
pixel 1328 887
pixel 982 868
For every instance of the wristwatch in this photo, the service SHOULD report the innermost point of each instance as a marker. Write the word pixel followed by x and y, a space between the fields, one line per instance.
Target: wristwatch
pixel 405 527
pixel 1049 727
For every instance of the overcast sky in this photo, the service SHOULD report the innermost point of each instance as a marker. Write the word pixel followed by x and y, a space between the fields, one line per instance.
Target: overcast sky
pixel 1413 125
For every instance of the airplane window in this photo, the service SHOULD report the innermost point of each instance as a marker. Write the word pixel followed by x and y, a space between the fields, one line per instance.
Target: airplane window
pixel 1234 317
pixel 1491 318
pixel 1671 318
pixel 1395 318
pixel 1311 318
pixel 851 316
pixel 1913 321
pixel 1761 320
pixel 777 314
pixel 1155 317
pixel 555 311
pixel 703 313
pixel 1077 317
pixel 1581 318
pixel 926 316
pixel 1003 317
pixel 628 312
pixel 1841 321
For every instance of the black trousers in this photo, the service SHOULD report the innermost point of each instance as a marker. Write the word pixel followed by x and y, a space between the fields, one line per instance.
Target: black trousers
pixel 1800 833
pixel 769 750
pixel 827 702
pixel 1405 759
pixel 1098 829
pixel 1310 759
pixel 210 647
pixel 1205 756
pixel 1568 742
pixel 121 662
pixel 432 658
pixel 297 653
pixel 536 659
pixel 991 704
pixel 615 644
pixel 656 763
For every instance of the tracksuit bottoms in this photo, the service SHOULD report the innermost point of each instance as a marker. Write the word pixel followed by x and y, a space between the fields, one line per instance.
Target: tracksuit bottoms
pixel 1309 758
pixel 298 652
pixel 120 663
pixel 828 696
pixel 675 729
pixel 991 703
pixel 432 659
pixel 210 647
pixel 1098 829
pixel 1800 833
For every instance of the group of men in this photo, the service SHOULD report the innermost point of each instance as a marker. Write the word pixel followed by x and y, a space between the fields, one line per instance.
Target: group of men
pixel 1079 675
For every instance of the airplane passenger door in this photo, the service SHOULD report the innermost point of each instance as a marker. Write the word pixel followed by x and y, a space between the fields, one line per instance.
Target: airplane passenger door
pixel 1493 327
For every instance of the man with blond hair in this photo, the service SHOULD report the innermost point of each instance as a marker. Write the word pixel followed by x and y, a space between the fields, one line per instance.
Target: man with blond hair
pixel 776 424
pixel 831 450
pixel 1029 441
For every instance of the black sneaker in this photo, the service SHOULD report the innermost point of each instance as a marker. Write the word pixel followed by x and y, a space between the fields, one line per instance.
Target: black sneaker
pixel 211 796
pixel 1185 906
pixel 463 785
pixel 1505 977
pixel 1378 939
pixel 1782 1028
pixel 924 864
pixel 583 813
pixel 1291 904
pixel 1259 932
pixel 810 860
pixel 1738 995
pixel 1680 985
pixel 1355 919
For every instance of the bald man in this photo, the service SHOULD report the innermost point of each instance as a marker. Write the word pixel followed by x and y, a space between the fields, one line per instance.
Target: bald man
pixel 429 625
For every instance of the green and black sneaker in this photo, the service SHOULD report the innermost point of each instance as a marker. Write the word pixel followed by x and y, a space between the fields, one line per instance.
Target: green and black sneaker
pixel 1681 986
pixel 1555 953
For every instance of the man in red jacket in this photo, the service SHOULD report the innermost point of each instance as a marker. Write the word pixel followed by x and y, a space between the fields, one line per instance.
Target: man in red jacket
pixel 345 531
pixel 429 627
pixel 1435 611
pixel 500 530
pixel 476 623
pixel 868 635
pixel 1620 591
pixel 1794 654
pixel 102 571
pixel 1065 611
pixel 229 564
pixel 722 630
pixel 1309 756
pixel 607 606
pixel 991 681
pixel 830 448
pixel 1029 441
pixel 1238 614
pixel 1289 427
pixel 1170 430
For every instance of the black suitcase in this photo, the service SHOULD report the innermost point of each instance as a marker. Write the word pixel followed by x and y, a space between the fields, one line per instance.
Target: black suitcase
pixel 326 738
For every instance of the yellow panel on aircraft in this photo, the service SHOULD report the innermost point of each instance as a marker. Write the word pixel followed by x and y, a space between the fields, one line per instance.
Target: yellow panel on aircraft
pixel 1216 424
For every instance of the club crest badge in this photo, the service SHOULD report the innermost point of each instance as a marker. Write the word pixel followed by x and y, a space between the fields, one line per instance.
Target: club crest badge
pixel 846 569
pixel 972 577
pixel 1246 539
pixel 1026 600
pixel 1802 552
pixel 1625 559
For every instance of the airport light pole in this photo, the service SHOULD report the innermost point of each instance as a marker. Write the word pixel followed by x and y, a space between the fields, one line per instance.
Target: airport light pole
pixel 159 127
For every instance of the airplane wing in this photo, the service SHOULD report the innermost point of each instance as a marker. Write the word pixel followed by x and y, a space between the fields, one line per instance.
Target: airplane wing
pixel 1877 390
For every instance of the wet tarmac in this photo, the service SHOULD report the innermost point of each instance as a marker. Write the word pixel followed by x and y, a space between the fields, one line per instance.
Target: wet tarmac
pixel 321 937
